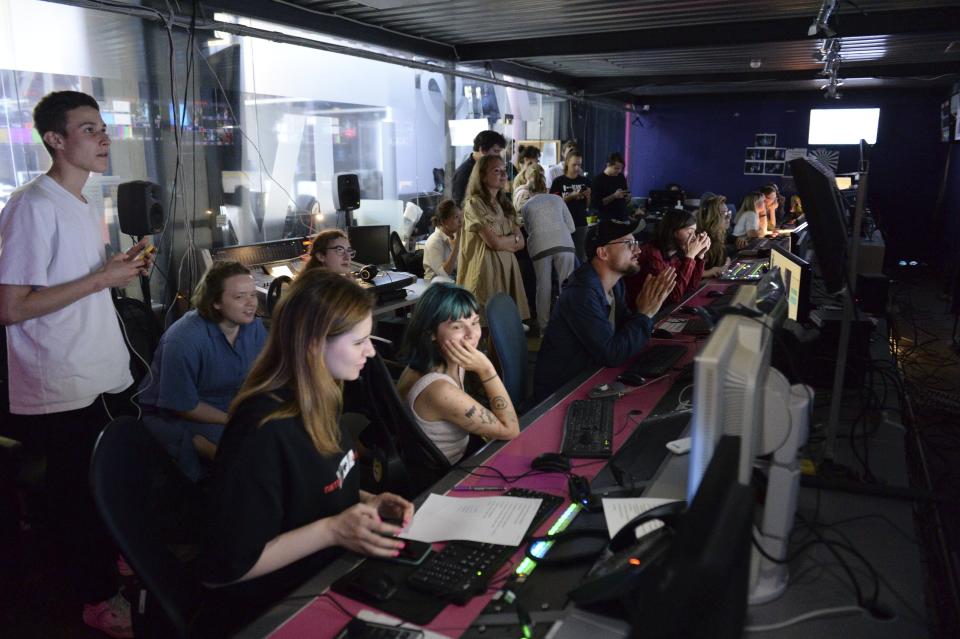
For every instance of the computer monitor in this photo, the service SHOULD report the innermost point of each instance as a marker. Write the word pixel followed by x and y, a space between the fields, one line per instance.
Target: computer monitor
pixel 797 275
pixel 824 210
pixel 729 377
pixel 372 244
pixel 700 590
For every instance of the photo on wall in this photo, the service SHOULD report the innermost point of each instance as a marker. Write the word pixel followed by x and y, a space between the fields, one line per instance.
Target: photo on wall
pixel 752 168
pixel 775 155
pixel 773 168
pixel 754 153
pixel 765 139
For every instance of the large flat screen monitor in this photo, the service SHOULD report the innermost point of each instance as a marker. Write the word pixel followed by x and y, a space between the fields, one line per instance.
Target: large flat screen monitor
pixel 843 126
pixel 372 244
pixel 825 213
pixel 796 274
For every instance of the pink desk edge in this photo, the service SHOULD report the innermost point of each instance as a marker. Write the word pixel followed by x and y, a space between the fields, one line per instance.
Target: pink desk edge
pixel 320 618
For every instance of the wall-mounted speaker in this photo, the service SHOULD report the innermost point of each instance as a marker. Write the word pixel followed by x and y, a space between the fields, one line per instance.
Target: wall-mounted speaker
pixel 346 197
pixel 139 208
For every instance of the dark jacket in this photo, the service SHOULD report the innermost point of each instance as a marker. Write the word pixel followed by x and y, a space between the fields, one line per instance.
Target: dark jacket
pixel 461 178
pixel 579 334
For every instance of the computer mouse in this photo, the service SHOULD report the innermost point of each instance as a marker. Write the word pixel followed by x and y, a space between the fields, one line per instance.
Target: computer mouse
pixel 662 333
pixel 687 310
pixel 375 585
pixel 714 293
pixel 551 462
pixel 608 389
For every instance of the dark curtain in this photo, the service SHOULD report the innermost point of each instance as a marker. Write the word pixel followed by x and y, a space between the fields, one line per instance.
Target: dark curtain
pixel 598 130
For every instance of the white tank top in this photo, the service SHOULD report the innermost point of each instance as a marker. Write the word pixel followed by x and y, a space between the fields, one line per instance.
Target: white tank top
pixel 449 438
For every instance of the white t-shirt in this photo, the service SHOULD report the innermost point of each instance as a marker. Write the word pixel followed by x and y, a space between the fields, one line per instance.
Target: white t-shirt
pixel 748 221
pixel 435 252
pixel 553 172
pixel 63 360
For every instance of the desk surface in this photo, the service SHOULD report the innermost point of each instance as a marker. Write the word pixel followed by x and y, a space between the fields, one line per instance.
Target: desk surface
pixel 815 582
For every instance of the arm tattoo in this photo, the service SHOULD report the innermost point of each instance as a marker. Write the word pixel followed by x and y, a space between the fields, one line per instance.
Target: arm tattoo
pixel 470 412
pixel 487 417
pixel 498 403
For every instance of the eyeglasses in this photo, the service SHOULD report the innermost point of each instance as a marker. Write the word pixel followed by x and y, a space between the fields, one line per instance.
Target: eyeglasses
pixel 342 249
pixel 631 244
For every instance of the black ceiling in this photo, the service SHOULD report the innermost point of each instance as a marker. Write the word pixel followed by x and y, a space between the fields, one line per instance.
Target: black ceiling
pixel 636 48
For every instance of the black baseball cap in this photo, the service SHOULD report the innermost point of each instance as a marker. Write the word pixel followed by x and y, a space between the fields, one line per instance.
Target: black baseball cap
pixel 607 231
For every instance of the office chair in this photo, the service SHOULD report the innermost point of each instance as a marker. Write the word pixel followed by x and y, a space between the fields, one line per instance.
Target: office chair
pixel 404 260
pixel 509 345
pixel 406 461
pixel 135 488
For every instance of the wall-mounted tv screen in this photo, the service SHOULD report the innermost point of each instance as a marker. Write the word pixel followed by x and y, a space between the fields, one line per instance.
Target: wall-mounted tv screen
pixel 843 126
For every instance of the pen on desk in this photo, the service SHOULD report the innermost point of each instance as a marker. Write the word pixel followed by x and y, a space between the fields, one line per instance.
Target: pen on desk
pixel 479 489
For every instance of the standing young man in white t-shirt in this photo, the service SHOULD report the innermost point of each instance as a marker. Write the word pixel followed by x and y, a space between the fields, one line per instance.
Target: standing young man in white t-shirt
pixel 64 342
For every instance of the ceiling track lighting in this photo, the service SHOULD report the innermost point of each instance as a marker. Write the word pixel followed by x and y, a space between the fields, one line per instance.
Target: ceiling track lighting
pixel 821 25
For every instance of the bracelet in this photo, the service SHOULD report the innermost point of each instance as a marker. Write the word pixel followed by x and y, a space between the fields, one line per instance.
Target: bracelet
pixel 484 381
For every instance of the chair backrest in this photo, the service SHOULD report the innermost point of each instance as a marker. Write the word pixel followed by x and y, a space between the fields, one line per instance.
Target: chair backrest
pixel 397 249
pixel 423 462
pixel 143 332
pixel 509 345
pixel 135 486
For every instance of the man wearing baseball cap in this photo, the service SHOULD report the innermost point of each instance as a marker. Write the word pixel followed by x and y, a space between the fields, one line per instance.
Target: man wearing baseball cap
pixel 591 324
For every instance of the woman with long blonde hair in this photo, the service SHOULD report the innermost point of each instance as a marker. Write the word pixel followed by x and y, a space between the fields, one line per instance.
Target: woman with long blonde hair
pixel 284 492
pixel 713 218
pixel 490 237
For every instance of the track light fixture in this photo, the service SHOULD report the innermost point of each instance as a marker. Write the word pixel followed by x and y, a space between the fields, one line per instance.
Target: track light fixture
pixel 821 26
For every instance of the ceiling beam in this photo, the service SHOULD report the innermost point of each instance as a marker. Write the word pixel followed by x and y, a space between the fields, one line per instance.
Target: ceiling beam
pixel 730 33
pixel 286 14
pixel 847 71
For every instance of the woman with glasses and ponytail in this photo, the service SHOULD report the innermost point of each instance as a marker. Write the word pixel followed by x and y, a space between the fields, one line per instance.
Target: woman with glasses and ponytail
pixel 331 250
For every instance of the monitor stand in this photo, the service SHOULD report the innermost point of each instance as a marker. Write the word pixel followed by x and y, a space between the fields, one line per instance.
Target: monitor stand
pixel 783 435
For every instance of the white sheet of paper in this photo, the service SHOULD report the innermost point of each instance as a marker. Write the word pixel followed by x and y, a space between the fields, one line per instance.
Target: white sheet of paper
pixel 673 324
pixel 619 511
pixel 494 520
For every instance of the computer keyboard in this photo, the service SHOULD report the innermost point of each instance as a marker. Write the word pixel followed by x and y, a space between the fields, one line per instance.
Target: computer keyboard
pixel 653 362
pixel 588 428
pixel 697 326
pixel 463 569
pixel 726 299
pixel 360 629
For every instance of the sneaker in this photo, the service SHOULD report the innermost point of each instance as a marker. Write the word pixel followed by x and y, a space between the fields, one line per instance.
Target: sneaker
pixel 111 617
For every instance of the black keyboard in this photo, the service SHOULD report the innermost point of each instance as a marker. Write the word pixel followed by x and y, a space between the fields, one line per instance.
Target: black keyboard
pixel 697 326
pixel 588 428
pixel 726 299
pixel 653 362
pixel 463 569
pixel 359 629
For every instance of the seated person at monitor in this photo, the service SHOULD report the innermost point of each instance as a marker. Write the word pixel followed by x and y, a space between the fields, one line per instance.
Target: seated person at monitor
pixel 284 493
pixel 794 212
pixel 330 250
pixel 714 218
pixel 677 246
pixel 772 200
pixel 199 365
pixel 591 324
pixel 443 246
pixel 441 347
pixel 746 224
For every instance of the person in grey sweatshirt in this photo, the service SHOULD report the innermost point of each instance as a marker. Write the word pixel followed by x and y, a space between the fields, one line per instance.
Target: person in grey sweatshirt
pixel 549 227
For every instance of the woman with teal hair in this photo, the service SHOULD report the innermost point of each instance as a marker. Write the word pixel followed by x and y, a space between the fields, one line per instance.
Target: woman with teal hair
pixel 441 348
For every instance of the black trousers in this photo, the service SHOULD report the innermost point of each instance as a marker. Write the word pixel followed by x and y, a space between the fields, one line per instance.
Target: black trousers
pixel 82 545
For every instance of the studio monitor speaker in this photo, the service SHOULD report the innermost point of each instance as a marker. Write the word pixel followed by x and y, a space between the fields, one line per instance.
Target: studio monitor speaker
pixel 139 208
pixel 347 194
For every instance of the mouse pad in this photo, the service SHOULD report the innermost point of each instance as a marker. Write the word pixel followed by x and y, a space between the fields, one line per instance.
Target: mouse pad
pixel 407 604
